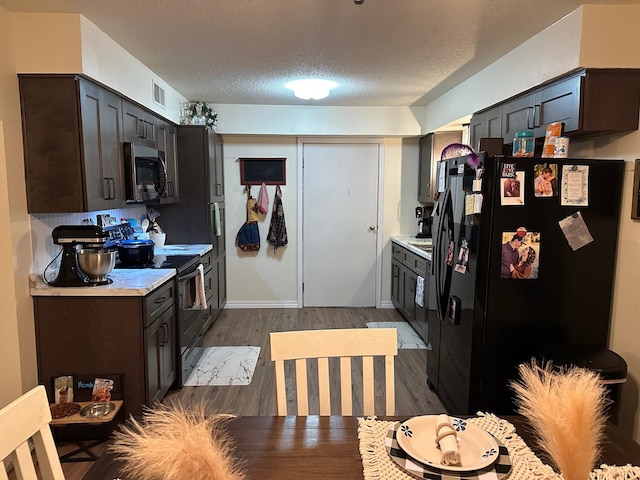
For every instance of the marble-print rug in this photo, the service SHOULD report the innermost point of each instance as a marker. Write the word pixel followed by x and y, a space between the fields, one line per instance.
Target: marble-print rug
pixel 224 366
pixel 407 336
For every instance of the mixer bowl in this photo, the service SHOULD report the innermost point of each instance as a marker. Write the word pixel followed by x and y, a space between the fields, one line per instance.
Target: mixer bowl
pixel 96 263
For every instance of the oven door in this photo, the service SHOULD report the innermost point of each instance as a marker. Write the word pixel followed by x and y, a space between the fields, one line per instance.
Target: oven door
pixel 190 315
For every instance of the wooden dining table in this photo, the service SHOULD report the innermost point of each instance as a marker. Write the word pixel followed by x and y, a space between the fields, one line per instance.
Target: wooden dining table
pixel 313 447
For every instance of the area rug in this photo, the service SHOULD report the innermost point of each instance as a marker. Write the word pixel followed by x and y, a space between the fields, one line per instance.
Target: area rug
pixel 407 336
pixel 220 366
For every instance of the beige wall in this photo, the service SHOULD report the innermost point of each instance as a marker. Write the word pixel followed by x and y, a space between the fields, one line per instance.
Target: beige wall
pixel 17 355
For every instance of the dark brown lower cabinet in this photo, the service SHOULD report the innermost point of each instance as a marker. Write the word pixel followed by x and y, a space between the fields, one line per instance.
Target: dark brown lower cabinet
pixel 131 336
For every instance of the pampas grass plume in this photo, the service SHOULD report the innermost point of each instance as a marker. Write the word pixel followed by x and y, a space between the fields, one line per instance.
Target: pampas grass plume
pixel 175 443
pixel 567 411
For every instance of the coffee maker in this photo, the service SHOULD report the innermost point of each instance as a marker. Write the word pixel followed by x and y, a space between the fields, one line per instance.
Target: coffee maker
pixel 425 221
pixel 73 238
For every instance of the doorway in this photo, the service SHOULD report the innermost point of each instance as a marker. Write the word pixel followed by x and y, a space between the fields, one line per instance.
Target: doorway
pixel 339 218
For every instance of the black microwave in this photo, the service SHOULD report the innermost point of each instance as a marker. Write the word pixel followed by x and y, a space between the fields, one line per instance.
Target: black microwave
pixel 146 173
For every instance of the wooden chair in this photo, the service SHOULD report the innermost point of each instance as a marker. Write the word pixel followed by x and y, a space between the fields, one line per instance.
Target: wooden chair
pixel 27 418
pixel 325 344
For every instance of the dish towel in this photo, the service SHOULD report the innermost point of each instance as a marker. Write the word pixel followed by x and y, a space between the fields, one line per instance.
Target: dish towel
pixel 201 298
pixel 216 219
pixel 263 200
pixel 420 291
pixel 277 235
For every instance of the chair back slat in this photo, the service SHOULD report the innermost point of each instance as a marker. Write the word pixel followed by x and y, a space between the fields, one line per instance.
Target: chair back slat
pixel 324 389
pixel 346 386
pixel 27 418
pixel 301 387
pixel 323 345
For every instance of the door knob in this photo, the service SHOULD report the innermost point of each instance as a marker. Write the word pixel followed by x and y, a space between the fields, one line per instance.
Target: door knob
pixel 372 228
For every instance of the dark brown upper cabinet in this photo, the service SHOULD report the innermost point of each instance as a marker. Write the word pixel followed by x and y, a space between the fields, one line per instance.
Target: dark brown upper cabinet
pixel 72 133
pixel 140 126
pixel 167 143
pixel 588 102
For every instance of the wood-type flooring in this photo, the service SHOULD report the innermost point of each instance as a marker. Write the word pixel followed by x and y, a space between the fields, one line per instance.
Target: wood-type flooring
pixel 237 327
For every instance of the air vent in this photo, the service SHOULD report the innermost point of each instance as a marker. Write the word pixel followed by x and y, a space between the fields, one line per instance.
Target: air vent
pixel 158 95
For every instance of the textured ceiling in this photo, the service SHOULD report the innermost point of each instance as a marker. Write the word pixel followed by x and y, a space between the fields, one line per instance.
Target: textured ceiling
pixel 382 52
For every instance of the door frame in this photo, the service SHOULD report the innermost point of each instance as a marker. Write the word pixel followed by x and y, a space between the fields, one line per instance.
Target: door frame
pixel 378 261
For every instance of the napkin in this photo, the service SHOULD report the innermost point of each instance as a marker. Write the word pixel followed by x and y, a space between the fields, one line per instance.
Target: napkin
pixel 447 440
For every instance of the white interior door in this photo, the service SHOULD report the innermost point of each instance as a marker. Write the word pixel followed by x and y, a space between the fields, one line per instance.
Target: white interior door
pixel 339 224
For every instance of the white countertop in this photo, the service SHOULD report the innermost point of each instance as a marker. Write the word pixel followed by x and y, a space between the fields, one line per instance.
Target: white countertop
pixel 407 240
pixel 183 249
pixel 134 282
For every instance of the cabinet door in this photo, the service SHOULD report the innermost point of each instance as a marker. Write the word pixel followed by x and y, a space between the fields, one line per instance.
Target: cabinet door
pixel 169 357
pixel 216 169
pixel 396 283
pixel 101 114
pixel 154 336
pixel 487 124
pixel 139 125
pixel 431 147
pixel 160 356
pixel 218 241
pixel 517 115
pixel 166 133
pixel 558 102
pixel 424 168
pixel 409 293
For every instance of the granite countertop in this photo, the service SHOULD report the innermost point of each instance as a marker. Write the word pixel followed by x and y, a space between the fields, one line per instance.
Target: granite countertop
pixel 409 242
pixel 126 282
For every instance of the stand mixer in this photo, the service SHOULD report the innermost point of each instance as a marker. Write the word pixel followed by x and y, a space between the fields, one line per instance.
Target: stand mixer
pixel 74 238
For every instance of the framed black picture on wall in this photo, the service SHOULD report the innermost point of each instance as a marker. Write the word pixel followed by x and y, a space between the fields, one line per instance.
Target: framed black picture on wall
pixel 256 171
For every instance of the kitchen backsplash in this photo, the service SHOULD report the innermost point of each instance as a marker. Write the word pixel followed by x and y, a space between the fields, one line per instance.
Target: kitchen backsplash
pixel 44 250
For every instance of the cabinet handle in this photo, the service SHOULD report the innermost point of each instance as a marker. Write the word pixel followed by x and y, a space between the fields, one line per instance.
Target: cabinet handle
pixel 112 188
pixel 530 110
pixel 218 189
pixel 140 128
pixel 536 116
pixel 165 333
pixel 160 300
pixel 106 187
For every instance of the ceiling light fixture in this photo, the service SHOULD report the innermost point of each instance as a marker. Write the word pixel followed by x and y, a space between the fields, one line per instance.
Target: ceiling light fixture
pixel 311 89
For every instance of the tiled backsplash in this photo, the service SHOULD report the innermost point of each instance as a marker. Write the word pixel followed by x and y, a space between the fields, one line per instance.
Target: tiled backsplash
pixel 44 250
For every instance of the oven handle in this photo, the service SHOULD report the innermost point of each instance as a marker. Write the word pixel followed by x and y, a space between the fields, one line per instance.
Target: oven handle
pixel 189 276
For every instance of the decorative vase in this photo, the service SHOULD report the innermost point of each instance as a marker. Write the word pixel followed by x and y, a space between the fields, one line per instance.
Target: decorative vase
pixel 199 118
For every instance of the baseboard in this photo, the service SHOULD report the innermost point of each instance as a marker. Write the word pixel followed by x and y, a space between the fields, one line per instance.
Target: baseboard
pixel 275 304
pixel 282 304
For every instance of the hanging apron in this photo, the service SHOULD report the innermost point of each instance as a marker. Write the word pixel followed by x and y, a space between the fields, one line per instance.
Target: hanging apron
pixel 248 237
pixel 278 228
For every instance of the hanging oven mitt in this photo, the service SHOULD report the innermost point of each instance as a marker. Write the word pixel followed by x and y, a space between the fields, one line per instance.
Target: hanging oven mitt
pixel 248 237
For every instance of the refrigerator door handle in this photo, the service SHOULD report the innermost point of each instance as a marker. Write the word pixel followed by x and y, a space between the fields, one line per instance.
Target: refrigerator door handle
pixel 439 260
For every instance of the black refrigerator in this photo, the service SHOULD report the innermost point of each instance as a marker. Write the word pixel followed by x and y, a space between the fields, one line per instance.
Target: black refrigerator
pixel 520 260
